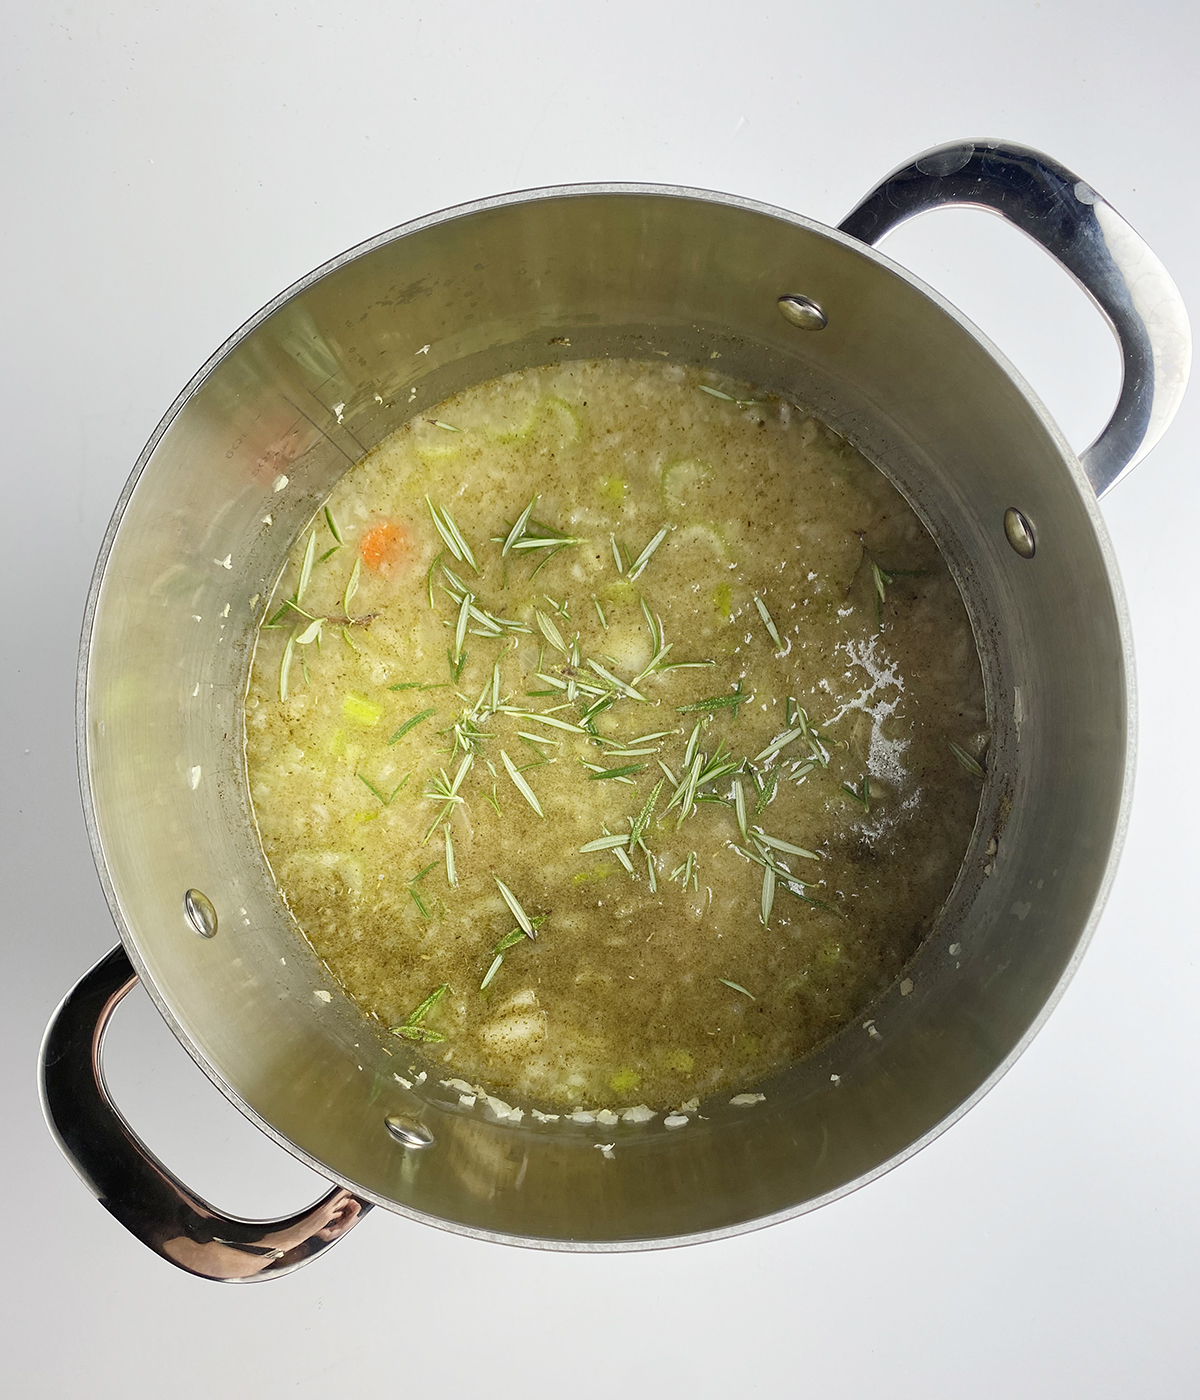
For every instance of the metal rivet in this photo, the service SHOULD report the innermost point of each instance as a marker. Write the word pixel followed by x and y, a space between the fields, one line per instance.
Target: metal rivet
pixel 407 1131
pixel 802 312
pixel 199 912
pixel 1019 532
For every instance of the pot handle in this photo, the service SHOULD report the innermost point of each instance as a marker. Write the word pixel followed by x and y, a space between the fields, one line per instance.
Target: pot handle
pixel 132 1183
pixel 1086 235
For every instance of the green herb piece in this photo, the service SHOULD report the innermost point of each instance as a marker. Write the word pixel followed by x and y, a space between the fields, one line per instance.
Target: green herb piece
pixel 412 1029
pixel 781 741
pixel 333 529
pixel 285 667
pixel 621 686
pixel 739 807
pixel 785 846
pixel 600 614
pixel 688 871
pixel 351 586
pixel 311 633
pixel 420 875
pixel 521 785
pixel 623 856
pixel 650 875
pixel 493 799
pixel 768 622
pixel 670 777
pixel 972 765
pixel 768 893
pixel 552 720
pixel 514 905
pixel 607 773
pixel 693 744
pixel 643 819
pixel 419 902
pixel 862 794
pixel 491 972
pixel 551 632
pixel 737 987
pixel 766 792
pixel 306 566
pixel 419 685
pixel 511 939
pixel 411 724
pixel 713 703
pixel 456 664
pixel 643 558
pixel 605 843
pixel 387 801
pixel 451 873
pixel 329 553
pixel 447 427
pixel 444 524
pixel 519 528
pixel 617 554
pixel 728 398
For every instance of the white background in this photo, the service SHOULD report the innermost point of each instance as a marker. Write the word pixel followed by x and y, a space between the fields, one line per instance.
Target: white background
pixel 170 167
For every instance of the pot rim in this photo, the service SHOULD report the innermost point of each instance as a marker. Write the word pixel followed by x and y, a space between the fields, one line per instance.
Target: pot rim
pixel 1084 490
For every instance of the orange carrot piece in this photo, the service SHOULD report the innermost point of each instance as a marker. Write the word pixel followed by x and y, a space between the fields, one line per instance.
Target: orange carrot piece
pixel 384 547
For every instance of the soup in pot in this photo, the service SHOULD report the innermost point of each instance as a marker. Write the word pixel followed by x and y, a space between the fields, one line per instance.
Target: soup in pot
pixel 615 735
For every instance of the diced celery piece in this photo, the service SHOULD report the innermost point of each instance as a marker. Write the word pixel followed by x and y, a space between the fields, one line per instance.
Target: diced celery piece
pixel 361 710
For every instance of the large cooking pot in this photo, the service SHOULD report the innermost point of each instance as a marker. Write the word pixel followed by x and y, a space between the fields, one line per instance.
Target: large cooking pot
pixel 246 455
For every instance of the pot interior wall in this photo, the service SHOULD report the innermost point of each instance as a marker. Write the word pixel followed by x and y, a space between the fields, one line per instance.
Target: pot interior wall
pixel 247 456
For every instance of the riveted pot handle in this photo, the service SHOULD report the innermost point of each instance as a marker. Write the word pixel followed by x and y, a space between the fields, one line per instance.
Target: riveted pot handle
pixel 133 1184
pixel 1086 235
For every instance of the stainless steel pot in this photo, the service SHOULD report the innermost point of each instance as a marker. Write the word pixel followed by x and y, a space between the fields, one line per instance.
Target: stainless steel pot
pixel 252 446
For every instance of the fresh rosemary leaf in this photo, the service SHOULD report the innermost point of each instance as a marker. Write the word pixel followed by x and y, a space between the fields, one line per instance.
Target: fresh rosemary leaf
pixel 522 786
pixel 491 972
pixel 692 744
pixel 623 857
pixel 862 795
pixel 768 622
pixel 716 393
pixel 420 875
pixel 768 893
pixel 622 686
pixel 411 724
pixel 714 702
pixel 600 614
pixel 650 875
pixel 448 427
pixel 514 905
pixel 329 553
pixel 972 765
pixel 737 987
pixel 285 667
pixel 553 721
pixel 550 631
pixel 781 741
pixel 510 940
pixel 739 807
pixel 333 529
pixel 776 844
pixel 311 633
pixel 451 873
pixel 644 557
pixel 351 586
pixel 412 1028
pixel 604 843
pixel 418 901
pixel 444 524
pixel 617 554
pixel 643 819
pixel 306 566
pixel 616 772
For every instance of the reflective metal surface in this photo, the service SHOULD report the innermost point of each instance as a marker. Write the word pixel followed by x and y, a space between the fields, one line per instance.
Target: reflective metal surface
pixel 255 443
pixel 130 1181
pixel 1083 232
